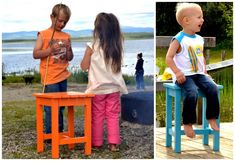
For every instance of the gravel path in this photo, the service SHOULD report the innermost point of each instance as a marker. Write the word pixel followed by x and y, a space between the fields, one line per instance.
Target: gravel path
pixel 137 140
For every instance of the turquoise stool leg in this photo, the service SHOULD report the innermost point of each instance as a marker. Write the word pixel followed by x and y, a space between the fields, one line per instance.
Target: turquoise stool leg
pixel 168 118
pixel 205 139
pixel 177 121
pixel 173 90
pixel 216 136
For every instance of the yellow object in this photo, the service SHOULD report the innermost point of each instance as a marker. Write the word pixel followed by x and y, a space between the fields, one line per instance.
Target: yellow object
pixel 167 74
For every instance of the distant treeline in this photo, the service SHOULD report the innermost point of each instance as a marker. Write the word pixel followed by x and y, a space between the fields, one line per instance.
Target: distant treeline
pixel 218 21
pixel 127 36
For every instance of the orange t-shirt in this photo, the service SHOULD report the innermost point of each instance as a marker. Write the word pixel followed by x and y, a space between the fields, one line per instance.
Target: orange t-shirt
pixel 57 66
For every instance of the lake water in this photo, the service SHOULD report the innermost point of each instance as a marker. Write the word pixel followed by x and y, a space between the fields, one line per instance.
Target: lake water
pixel 17 56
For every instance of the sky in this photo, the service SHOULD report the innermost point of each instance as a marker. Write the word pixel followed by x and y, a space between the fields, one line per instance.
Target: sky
pixel 34 15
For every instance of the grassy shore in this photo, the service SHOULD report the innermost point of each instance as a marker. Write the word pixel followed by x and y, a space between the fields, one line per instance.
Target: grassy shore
pixel 77 76
pixel 127 36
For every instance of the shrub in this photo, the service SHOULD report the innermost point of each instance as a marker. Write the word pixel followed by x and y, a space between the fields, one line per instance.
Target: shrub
pixel 79 76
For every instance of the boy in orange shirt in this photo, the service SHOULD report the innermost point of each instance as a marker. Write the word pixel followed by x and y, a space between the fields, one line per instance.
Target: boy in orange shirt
pixel 53 48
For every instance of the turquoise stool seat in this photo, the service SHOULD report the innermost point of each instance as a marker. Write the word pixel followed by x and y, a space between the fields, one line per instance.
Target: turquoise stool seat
pixel 172 90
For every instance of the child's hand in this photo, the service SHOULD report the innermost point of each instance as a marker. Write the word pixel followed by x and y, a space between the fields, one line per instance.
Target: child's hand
pixel 180 77
pixel 69 52
pixel 55 47
pixel 67 44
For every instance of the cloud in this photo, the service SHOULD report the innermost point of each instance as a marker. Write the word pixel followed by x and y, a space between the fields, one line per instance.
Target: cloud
pixel 27 15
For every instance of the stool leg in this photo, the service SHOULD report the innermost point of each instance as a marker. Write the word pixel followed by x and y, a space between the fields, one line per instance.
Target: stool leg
pixel 87 126
pixel 39 119
pixel 71 124
pixel 216 138
pixel 177 121
pixel 55 130
pixel 168 119
pixel 205 140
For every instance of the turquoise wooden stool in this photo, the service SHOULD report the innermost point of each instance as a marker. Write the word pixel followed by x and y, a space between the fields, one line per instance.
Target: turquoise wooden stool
pixel 172 90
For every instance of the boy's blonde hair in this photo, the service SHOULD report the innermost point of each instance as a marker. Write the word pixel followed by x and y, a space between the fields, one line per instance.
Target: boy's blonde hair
pixel 181 8
pixel 61 7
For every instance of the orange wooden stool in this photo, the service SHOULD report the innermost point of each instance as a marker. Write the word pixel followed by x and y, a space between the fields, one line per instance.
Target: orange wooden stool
pixel 55 100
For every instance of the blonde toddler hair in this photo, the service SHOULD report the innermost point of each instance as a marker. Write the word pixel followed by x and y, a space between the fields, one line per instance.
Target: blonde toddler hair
pixel 181 9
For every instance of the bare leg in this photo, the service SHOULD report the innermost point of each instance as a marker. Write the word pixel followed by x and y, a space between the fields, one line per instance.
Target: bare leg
pixel 213 124
pixel 188 130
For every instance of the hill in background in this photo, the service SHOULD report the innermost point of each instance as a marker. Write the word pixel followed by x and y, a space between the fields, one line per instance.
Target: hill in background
pixel 128 31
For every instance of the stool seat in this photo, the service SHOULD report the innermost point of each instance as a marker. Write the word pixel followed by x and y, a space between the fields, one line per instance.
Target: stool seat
pixel 174 91
pixel 55 100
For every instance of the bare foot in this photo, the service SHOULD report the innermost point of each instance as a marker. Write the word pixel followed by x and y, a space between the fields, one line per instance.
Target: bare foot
pixel 188 130
pixel 213 124
pixel 113 148
pixel 96 148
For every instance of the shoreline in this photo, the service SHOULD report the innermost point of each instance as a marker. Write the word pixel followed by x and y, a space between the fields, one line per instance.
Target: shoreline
pixel 127 36
pixel 20 91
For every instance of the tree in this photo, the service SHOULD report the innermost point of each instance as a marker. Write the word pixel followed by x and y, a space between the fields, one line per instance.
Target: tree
pixel 218 20
pixel 166 23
